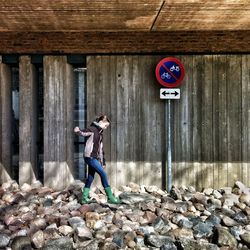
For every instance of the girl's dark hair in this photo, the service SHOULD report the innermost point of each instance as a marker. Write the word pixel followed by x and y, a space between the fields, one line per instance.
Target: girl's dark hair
pixel 102 118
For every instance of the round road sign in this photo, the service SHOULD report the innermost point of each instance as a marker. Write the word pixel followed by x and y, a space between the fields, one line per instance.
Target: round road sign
pixel 170 72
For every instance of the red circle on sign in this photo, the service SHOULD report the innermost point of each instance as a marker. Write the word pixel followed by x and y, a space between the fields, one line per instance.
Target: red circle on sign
pixel 178 80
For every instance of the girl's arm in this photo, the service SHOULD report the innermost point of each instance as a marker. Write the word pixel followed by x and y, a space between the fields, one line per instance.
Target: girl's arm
pixel 84 132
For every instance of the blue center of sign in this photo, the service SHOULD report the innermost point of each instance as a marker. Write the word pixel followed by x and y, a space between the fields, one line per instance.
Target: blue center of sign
pixel 170 72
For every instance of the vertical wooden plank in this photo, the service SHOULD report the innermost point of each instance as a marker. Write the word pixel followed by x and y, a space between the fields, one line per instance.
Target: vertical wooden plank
pixel 234 117
pixel 69 98
pixel 145 120
pixel 113 115
pixel 91 81
pixel 216 124
pixel 141 119
pixel 58 160
pixel 182 127
pixel 133 114
pixel 152 106
pixel 5 123
pixel 123 74
pixel 28 121
pixel 198 73
pixel 246 119
pixel 159 124
pixel 132 167
pixel 94 94
pixel 207 125
pixel 220 110
pixel 106 105
pixel 100 69
pixel 186 121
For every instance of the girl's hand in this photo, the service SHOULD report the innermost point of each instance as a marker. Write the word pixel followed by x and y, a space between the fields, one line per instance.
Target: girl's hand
pixel 76 129
pixel 104 166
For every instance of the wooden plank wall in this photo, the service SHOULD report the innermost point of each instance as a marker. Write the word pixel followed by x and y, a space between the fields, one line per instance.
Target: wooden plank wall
pixel 5 123
pixel 211 121
pixel 58 122
pixel 28 85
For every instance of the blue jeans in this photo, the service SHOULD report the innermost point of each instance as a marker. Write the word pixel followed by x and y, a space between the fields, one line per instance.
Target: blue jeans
pixel 95 166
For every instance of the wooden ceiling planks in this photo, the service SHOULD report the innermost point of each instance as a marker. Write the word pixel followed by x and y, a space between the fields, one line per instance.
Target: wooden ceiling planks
pixel 124 15
pixel 77 15
pixel 204 15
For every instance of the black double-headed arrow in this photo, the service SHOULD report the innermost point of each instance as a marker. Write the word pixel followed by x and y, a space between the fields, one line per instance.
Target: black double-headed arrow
pixel 170 93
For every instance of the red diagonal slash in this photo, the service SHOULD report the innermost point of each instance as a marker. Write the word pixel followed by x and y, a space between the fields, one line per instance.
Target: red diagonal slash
pixel 163 65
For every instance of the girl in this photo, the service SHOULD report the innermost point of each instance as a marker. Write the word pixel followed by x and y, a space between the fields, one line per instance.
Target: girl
pixel 94 157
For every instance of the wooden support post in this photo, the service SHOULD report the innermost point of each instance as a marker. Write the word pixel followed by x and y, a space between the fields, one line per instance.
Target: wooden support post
pixel 5 123
pixel 58 122
pixel 28 121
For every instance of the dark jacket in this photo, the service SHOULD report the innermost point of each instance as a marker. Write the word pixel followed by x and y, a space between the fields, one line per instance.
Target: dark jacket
pixel 94 144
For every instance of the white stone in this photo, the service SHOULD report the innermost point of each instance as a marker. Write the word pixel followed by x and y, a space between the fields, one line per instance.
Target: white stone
pixel 26 187
pixel 151 189
pixel 36 184
pixel 99 224
pixel 66 230
pixel 208 191
pixel 83 232
pixel 38 239
pixel 217 194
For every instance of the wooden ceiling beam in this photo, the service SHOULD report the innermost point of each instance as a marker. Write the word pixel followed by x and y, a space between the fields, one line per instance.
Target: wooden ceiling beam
pixel 124 42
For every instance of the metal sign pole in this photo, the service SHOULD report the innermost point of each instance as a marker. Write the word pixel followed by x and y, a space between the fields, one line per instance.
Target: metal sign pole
pixel 168 144
pixel 169 73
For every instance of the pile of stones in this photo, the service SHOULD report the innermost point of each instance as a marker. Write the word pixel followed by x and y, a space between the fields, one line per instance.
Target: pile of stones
pixel 37 217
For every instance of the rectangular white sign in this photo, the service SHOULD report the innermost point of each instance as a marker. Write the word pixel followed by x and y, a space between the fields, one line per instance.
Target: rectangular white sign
pixel 170 93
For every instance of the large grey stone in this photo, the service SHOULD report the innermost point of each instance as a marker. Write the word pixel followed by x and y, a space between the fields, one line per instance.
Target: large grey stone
pixel 159 224
pixel 4 240
pixel 246 239
pixel 213 220
pixel 66 230
pixel 158 240
pixel 38 239
pixel 83 233
pixel 133 198
pixel 202 230
pixel 175 193
pixel 76 222
pixel 241 218
pixel 242 187
pixel 225 238
pixel 64 243
pixel 236 231
pixel 229 222
pixel 21 242
pixel 185 223
pixel 118 239
pixel 230 199
pixel 189 244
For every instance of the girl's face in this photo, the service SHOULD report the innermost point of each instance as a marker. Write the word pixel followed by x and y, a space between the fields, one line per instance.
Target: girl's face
pixel 103 124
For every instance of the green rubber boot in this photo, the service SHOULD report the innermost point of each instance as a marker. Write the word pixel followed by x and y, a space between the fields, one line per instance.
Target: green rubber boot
pixel 111 198
pixel 85 196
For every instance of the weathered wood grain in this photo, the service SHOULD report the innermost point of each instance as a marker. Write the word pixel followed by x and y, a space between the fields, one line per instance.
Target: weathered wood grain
pixel 5 123
pixel 207 128
pixel 245 72
pixel 77 15
pixel 27 121
pixel 58 122
pixel 204 15
pixel 234 117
